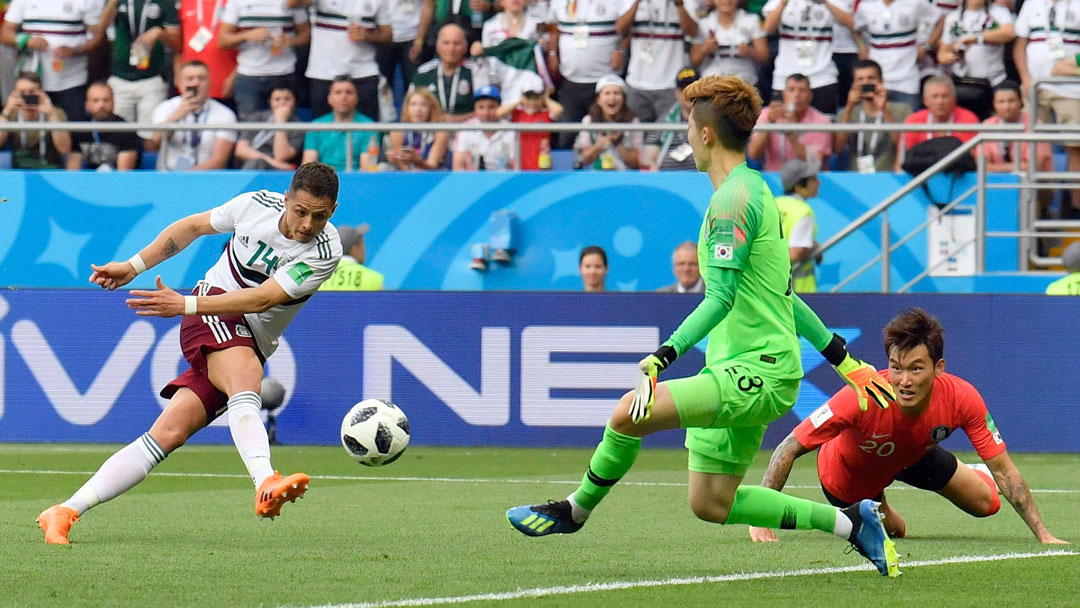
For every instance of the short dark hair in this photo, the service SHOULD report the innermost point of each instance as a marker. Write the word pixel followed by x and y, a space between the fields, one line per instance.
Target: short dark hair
pixel 912 327
pixel 863 64
pixel 282 87
pixel 591 249
pixel 31 76
pixel 726 104
pixel 317 179
pixel 342 78
pixel 797 77
pixel 1009 85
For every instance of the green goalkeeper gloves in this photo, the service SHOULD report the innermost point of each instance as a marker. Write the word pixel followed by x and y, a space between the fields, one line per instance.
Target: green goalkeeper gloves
pixel 651 366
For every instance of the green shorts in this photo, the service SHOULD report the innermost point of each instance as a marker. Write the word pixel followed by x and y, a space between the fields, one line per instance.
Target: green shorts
pixel 725 410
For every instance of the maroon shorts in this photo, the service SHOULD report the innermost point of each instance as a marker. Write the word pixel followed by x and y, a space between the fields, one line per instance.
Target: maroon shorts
pixel 201 335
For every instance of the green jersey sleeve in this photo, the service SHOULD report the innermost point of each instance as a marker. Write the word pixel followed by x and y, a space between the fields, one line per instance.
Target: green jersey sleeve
pixel 720 287
pixel 732 222
pixel 809 325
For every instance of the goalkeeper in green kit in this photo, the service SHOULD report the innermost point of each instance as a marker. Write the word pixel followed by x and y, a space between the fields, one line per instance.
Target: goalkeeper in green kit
pixel 753 363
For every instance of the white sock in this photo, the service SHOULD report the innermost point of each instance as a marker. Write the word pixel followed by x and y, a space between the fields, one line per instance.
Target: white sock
pixel 119 473
pixel 577 512
pixel 844 525
pixel 249 434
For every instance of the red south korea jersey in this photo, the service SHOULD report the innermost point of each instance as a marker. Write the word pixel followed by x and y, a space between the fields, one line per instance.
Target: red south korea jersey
pixel 862 452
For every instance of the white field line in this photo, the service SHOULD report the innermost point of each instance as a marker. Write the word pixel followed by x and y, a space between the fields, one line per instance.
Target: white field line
pixel 673 582
pixel 672 484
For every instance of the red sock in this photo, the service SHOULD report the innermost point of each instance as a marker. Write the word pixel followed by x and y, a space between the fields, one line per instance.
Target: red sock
pixel 995 502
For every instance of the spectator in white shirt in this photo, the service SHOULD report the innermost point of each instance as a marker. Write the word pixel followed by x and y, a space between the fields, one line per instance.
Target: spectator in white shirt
pixel 265 32
pixel 193 150
pixel 806 45
pixel 513 22
pixel 891 33
pixel 972 48
pixel 658 30
pixel 732 43
pixel 613 150
pixel 404 24
pixel 485 150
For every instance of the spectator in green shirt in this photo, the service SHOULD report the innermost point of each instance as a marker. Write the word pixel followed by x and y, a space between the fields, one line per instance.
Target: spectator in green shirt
pixel 1069 285
pixel 329 146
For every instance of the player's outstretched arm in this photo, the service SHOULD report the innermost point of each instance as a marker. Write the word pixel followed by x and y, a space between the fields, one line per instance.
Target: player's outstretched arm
pixel 783 457
pixel 859 375
pixel 1015 490
pixel 174 239
pixel 166 302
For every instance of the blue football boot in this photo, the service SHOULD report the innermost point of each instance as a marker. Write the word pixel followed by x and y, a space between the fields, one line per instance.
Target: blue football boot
pixel 541 520
pixel 870 540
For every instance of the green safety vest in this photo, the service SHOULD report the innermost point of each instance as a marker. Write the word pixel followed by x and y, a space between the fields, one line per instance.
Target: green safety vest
pixel 792 210
pixel 351 276
pixel 1069 285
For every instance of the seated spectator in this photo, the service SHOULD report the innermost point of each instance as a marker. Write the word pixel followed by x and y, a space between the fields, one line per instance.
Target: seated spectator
pixel 593 268
pixel 684 264
pixel 272 149
pixel 670 151
pixel 613 150
pixel 898 34
pixel 195 150
pixel 535 107
pixel 420 150
pixel 485 150
pixel 42 149
pixel 778 148
pixel 733 43
pixel 939 97
pixel 867 103
pixel 972 49
pixel 102 150
pixel 806 45
pixel 351 274
pixel 1001 156
pixel 329 146
pixel 449 76
pixel 800 182
pixel 512 22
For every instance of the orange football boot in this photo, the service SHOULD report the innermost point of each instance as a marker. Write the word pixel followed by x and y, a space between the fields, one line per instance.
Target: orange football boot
pixel 56 521
pixel 276 490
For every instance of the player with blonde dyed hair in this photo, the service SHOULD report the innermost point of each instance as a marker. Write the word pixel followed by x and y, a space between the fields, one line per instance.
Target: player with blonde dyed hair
pixel 753 365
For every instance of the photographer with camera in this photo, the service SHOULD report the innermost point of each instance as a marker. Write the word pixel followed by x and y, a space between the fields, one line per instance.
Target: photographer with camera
pixel 102 150
pixel 193 150
pixel 41 149
pixel 867 103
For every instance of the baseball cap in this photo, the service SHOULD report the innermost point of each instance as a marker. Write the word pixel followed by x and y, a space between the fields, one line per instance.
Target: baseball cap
pixel 488 91
pixel 351 235
pixel 794 171
pixel 1070 258
pixel 610 79
pixel 685 77
pixel 533 84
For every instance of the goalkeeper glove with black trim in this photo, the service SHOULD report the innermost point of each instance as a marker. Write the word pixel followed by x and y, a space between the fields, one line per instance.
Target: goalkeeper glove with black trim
pixel 651 366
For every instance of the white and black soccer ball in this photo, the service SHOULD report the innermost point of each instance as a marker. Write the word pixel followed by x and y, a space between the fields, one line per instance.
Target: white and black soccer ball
pixel 375 432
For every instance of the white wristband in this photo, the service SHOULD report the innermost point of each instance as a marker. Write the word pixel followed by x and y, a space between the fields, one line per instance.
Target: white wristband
pixel 191 305
pixel 137 262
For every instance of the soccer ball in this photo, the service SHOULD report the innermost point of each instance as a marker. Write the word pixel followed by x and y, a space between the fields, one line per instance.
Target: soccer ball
pixel 375 432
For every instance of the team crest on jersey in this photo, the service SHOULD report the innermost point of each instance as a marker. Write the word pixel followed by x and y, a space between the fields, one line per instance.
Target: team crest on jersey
pixel 463 87
pixel 601 10
pixel 242 331
pixel 153 11
pixel 283 259
pixel 819 13
pixel 68 7
pixel 940 433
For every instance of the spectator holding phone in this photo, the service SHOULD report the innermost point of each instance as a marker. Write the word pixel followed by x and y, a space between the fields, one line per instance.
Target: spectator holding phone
pixel 192 150
pixel 41 149
pixel 867 103
pixel 796 108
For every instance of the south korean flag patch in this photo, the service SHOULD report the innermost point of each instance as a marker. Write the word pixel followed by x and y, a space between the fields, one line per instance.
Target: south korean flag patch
pixel 722 252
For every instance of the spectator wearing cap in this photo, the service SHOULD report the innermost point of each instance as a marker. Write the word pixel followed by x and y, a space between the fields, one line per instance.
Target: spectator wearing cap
pixel 609 150
pixel 1069 285
pixel 535 107
pixel 351 274
pixel 481 150
pixel 420 150
pixel 329 146
pixel 732 43
pixel 684 265
pixel 800 181
pixel 671 151
pixel 778 148
pixel 584 48
pixel 449 76
pixel 658 30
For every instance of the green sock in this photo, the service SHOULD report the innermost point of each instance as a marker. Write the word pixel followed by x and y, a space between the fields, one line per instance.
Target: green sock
pixel 611 460
pixel 767 508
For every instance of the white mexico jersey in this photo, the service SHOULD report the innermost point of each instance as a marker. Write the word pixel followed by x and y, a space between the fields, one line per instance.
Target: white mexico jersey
pixel 258 58
pixel 657 45
pixel 892 33
pixel 258 251
pixel 332 53
pixel 60 24
pixel 725 61
pixel 980 60
pixel 1052 30
pixel 806 42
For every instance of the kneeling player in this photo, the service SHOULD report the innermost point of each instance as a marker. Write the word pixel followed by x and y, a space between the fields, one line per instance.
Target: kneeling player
pixel 862 452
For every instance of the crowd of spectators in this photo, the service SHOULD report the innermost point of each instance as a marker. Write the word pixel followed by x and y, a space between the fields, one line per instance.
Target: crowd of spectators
pixel 588 61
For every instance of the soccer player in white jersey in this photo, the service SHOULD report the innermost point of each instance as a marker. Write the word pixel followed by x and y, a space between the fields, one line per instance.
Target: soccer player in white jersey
pixel 282 248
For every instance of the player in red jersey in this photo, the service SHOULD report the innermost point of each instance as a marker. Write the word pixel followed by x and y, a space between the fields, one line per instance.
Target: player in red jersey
pixel 860 453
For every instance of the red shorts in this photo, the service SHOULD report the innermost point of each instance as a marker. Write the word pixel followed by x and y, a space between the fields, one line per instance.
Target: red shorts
pixel 201 335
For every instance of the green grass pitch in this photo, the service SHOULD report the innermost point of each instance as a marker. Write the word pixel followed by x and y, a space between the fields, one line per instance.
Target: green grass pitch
pixel 431 528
